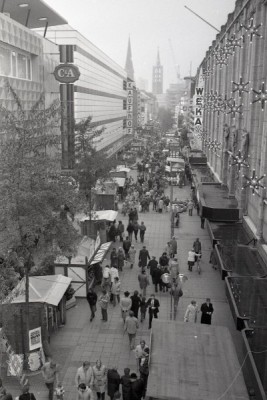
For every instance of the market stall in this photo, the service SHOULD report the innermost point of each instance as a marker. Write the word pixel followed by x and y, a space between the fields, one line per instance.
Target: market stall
pixel 98 222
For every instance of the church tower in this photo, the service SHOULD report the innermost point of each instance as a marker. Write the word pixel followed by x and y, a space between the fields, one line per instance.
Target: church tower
pixel 157 77
pixel 129 62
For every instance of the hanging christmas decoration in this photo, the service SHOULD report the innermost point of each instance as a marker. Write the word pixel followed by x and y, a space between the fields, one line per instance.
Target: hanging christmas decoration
pixel 260 95
pixel 253 182
pixel 233 42
pixel 207 71
pixel 240 86
pixel 238 160
pixel 221 61
pixel 251 29
pixel 217 147
pixel 233 108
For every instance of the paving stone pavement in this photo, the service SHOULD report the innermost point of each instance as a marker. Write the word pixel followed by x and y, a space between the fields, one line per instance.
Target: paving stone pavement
pixel 81 340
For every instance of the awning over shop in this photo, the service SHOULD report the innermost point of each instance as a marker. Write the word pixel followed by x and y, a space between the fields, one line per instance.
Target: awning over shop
pixel 120 181
pixel 42 289
pixel 216 204
pixel 102 251
pixel 107 215
pixel 85 251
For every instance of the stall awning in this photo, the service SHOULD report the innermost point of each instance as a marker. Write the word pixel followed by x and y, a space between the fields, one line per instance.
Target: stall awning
pixel 107 215
pixel 85 251
pixel 120 181
pixel 101 252
pixel 42 289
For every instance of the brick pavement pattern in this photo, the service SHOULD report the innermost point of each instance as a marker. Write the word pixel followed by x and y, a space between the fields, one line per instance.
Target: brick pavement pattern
pixel 82 340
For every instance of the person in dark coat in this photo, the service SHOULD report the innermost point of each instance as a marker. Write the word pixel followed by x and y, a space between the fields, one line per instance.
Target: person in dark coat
pixel 112 232
pixel 126 247
pixel 92 300
pixel 114 258
pixel 144 369
pixel 152 265
pixel 164 260
pixel 143 257
pixel 114 381
pixel 156 278
pixel 153 308
pixel 137 387
pixel 130 229
pixel 136 300
pixel 126 384
pixel 136 229
pixel 131 215
pixel 207 310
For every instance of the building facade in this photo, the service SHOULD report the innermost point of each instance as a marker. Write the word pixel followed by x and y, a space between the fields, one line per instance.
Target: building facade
pixel 27 61
pixel 100 92
pixel 235 111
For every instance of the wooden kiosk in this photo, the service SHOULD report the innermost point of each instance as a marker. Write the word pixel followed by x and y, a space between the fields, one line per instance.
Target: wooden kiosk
pixel 193 362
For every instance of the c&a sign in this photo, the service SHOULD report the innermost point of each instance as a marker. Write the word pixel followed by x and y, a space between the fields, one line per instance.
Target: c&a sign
pixel 66 73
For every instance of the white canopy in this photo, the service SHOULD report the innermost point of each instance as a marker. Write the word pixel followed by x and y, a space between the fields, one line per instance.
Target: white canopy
pixel 108 215
pixel 42 289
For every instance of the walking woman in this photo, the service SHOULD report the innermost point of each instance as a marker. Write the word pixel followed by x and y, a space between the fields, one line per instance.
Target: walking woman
pixel 132 253
pixel 100 379
pixel 121 259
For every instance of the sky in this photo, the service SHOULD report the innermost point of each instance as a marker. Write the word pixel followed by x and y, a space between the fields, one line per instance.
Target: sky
pixel 151 24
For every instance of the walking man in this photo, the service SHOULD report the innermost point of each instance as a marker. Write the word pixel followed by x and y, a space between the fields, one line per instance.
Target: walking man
pixel 190 207
pixel 50 375
pixel 120 230
pixel 131 326
pixel 139 350
pixel 191 312
pixel 207 311
pixel 153 309
pixel 143 257
pixel 92 300
pixel 85 375
pixel 176 292
pixel 103 301
pixel 142 229
pixel 143 281
pixel 126 304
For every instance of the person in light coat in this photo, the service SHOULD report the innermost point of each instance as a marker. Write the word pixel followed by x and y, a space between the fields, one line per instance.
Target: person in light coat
pixel 84 374
pixel 143 282
pixel 132 253
pixel 191 312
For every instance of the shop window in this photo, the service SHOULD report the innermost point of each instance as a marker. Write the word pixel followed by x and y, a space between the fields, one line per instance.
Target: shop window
pixel 124 105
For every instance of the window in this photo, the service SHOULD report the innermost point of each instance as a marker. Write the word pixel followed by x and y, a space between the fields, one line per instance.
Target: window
pixel 15 64
pixel 124 124
pixel 124 85
pixel 5 61
pixel 124 105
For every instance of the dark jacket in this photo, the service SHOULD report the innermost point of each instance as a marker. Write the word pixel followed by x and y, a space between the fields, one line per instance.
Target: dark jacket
pixel 156 305
pixel 152 265
pixel 156 277
pixel 135 302
pixel 143 257
pixel 126 245
pixel 163 260
pixel 126 387
pixel 130 228
pixel 114 381
pixel 137 389
pixel 27 396
pixel 205 316
pixel 92 298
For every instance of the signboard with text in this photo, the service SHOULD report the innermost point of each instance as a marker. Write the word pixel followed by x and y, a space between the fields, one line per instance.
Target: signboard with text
pixel 129 120
pixel 66 73
pixel 35 338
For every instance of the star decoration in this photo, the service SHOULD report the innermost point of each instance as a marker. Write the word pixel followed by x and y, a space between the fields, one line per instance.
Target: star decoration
pixel 234 109
pixel 240 86
pixel 207 71
pixel 232 42
pixel 261 95
pixel 239 160
pixel 251 29
pixel 253 182
pixel 221 61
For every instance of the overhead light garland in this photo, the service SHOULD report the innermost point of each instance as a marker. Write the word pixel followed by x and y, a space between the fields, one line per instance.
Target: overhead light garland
pixel 253 182
pixel 251 29
pixel 239 160
pixel 261 95
pixel 240 87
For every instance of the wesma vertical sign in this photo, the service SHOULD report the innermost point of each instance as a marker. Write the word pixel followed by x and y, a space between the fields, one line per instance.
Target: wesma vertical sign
pixel 129 120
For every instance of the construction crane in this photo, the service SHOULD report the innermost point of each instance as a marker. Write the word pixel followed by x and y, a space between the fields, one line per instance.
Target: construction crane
pixel 176 66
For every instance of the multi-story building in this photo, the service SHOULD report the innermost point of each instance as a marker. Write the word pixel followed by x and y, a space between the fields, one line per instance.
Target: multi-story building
pixel 27 60
pixel 100 92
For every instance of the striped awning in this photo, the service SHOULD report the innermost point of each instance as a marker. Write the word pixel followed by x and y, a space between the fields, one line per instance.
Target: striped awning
pixel 101 252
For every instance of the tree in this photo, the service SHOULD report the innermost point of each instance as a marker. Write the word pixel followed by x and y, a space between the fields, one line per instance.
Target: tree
pixel 90 166
pixel 33 192
pixel 166 120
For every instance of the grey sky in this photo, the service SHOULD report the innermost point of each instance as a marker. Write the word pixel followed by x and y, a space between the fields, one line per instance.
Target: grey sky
pixel 150 23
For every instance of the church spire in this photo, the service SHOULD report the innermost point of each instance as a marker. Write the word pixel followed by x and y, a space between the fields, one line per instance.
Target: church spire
pixel 158 58
pixel 129 62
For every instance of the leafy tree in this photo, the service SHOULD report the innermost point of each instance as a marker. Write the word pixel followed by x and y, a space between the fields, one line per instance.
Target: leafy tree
pixel 166 120
pixel 90 166
pixel 33 193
